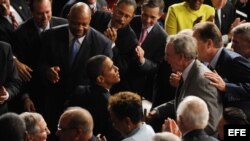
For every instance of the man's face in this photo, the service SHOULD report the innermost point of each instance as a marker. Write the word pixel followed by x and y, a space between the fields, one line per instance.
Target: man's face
pixel 122 15
pixel 240 45
pixel 149 16
pixel 4 7
pixel 42 13
pixel 79 23
pixel 110 72
pixel 172 58
pixel 202 47
pixel 42 133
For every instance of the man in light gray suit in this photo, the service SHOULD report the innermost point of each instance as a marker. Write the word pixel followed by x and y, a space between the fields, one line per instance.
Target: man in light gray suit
pixel 181 53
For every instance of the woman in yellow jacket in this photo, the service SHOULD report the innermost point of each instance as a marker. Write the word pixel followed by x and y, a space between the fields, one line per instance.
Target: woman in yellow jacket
pixel 185 14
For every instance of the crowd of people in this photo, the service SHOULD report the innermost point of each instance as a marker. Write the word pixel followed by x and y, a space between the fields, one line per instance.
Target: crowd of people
pixel 82 73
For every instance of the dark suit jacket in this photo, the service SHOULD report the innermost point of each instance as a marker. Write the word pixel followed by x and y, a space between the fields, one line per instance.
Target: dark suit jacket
pixel 235 71
pixel 6 28
pixel 55 52
pixel 26 41
pixel 95 99
pixel 22 8
pixel 196 84
pixel 124 50
pixel 198 135
pixel 142 77
pixel 8 74
pixel 227 18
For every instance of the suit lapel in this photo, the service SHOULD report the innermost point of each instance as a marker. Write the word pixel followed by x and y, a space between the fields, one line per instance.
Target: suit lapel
pixel 187 82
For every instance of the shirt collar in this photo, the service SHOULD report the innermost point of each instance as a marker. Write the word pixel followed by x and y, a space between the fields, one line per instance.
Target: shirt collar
pixel 186 71
pixel 216 58
pixel 71 37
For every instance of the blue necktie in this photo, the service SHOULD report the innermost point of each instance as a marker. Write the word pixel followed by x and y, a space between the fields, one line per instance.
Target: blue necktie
pixel 73 50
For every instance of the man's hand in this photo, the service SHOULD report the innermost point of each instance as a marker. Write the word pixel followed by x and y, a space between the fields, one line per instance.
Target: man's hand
pixel 53 74
pixel 23 70
pixel 4 95
pixel 29 105
pixel 139 52
pixel 170 125
pixel 216 80
pixel 174 79
pixel 111 33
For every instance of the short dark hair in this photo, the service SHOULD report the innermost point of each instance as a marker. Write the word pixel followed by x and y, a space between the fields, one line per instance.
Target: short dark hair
pixel 126 104
pixel 31 3
pixel 153 4
pixel 12 127
pixel 94 66
pixel 209 30
pixel 128 2
pixel 234 115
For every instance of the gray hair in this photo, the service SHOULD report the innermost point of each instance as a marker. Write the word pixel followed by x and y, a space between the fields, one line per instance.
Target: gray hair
pixel 184 44
pixel 195 112
pixel 243 30
pixel 31 120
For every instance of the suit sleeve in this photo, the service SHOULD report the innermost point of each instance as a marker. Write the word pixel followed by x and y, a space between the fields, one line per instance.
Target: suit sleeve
pixel 13 81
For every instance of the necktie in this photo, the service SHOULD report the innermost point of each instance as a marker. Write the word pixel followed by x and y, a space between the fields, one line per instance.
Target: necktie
pixel 178 91
pixel 143 35
pixel 13 21
pixel 73 50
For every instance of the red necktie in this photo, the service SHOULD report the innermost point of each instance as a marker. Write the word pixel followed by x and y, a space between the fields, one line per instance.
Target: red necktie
pixel 143 35
pixel 13 21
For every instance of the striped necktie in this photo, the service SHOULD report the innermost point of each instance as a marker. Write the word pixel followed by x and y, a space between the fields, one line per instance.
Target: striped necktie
pixel 13 21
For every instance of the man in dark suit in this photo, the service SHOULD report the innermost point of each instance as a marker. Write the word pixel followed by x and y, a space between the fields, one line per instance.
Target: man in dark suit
pixel 232 71
pixel 9 79
pixel 65 51
pixel 150 51
pixel 26 40
pixel 14 8
pixel 225 17
pixel 103 74
pixel 95 5
pixel 181 53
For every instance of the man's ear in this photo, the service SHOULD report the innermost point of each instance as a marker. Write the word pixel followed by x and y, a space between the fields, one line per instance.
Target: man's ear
pixel 100 79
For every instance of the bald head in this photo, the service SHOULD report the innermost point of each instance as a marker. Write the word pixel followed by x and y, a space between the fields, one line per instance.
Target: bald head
pixel 78 117
pixel 79 9
pixel 79 19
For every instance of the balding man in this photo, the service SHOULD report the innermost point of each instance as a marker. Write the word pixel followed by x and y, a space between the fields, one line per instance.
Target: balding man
pixel 65 51
pixel 78 120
